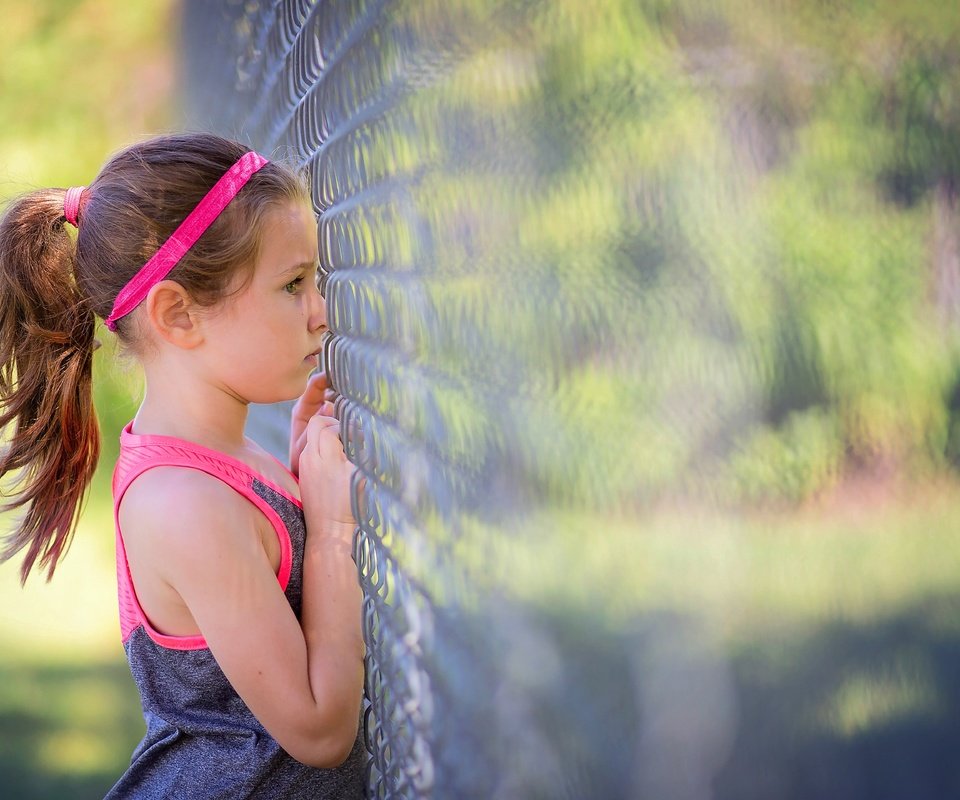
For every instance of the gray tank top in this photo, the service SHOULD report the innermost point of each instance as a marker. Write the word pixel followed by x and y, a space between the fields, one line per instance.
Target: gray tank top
pixel 201 740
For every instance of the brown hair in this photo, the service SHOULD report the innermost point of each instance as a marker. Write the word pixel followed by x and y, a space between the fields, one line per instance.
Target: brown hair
pixel 51 290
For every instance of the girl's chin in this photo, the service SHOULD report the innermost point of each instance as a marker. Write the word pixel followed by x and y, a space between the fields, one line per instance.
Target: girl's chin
pixel 282 395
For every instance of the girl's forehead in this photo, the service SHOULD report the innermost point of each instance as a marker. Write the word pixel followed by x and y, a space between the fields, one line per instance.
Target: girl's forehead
pixel 292 219
pixel 289 239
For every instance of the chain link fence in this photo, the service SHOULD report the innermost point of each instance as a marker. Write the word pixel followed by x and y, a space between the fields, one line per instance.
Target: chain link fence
pixel 571 283
pixel 471 307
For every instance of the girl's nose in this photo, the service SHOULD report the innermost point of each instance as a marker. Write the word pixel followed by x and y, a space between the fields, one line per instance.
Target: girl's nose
pixel 317 309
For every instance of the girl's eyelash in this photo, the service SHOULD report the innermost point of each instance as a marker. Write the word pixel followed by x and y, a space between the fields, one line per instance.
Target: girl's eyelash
pixel 317 277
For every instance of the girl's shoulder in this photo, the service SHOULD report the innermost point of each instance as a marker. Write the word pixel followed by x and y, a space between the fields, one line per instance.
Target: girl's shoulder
pixel 168 496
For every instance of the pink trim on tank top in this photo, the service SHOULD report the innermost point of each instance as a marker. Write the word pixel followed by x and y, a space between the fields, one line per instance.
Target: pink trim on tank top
pixel 139 439
pixel 191 456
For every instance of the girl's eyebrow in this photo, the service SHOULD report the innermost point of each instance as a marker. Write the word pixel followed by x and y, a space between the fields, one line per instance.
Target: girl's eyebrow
pixel 298 268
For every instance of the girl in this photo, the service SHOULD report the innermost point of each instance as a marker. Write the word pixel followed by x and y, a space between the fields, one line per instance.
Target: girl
pixel 239 600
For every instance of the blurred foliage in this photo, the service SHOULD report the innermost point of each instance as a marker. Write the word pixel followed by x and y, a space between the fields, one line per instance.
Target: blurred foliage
pixel 720 238
pixel 80 79
pixel 783 218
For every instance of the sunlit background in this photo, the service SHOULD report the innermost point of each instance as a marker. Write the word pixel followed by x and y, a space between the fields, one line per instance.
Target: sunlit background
pixel 649 314
pixel 79 80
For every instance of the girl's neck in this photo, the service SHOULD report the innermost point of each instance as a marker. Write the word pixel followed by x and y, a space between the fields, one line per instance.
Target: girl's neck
pixel 201 413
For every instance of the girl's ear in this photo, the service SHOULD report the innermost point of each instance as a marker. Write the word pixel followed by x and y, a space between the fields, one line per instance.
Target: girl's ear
pixel 174 315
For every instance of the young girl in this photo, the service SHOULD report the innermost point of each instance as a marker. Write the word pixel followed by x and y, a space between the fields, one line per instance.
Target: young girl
pixel 239 600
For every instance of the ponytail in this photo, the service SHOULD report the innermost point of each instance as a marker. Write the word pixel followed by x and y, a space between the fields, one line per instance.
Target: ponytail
pixel 51 440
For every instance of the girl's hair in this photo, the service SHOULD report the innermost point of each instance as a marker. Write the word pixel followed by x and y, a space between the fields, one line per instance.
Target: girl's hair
pixel 51 289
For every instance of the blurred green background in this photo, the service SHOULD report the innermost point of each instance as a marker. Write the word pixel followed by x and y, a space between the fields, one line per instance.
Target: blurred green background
pixel 78 80
pixel 829 559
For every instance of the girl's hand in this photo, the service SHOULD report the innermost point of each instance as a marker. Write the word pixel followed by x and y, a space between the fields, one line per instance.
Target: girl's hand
pixel 316 398
pixel 325 476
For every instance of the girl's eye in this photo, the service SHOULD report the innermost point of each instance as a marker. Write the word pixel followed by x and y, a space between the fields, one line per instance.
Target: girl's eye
pixel 294 286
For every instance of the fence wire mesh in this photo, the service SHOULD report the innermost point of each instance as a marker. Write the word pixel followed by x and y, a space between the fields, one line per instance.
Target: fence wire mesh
pixel 466 318
pixel 572 283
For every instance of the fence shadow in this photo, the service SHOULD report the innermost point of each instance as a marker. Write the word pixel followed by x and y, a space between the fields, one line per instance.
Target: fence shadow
pixel 550 704
pixel 852 711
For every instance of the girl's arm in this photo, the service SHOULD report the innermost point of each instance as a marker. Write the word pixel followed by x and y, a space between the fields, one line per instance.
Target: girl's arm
pixel 332 598
pixel 303 683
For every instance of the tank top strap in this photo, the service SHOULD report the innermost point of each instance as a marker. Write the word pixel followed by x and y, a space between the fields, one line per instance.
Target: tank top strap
pixel 139 453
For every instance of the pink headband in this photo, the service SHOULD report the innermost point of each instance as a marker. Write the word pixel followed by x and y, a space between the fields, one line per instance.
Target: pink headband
pixel 185 236
pixel 71 204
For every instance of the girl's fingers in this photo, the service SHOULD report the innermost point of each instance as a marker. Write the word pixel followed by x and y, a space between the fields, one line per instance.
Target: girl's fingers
pixel 318 424
pixel 312 398
pixel 295 452
pixel 308 404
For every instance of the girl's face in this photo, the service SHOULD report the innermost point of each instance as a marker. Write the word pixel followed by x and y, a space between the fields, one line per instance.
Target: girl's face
pixel 262 343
